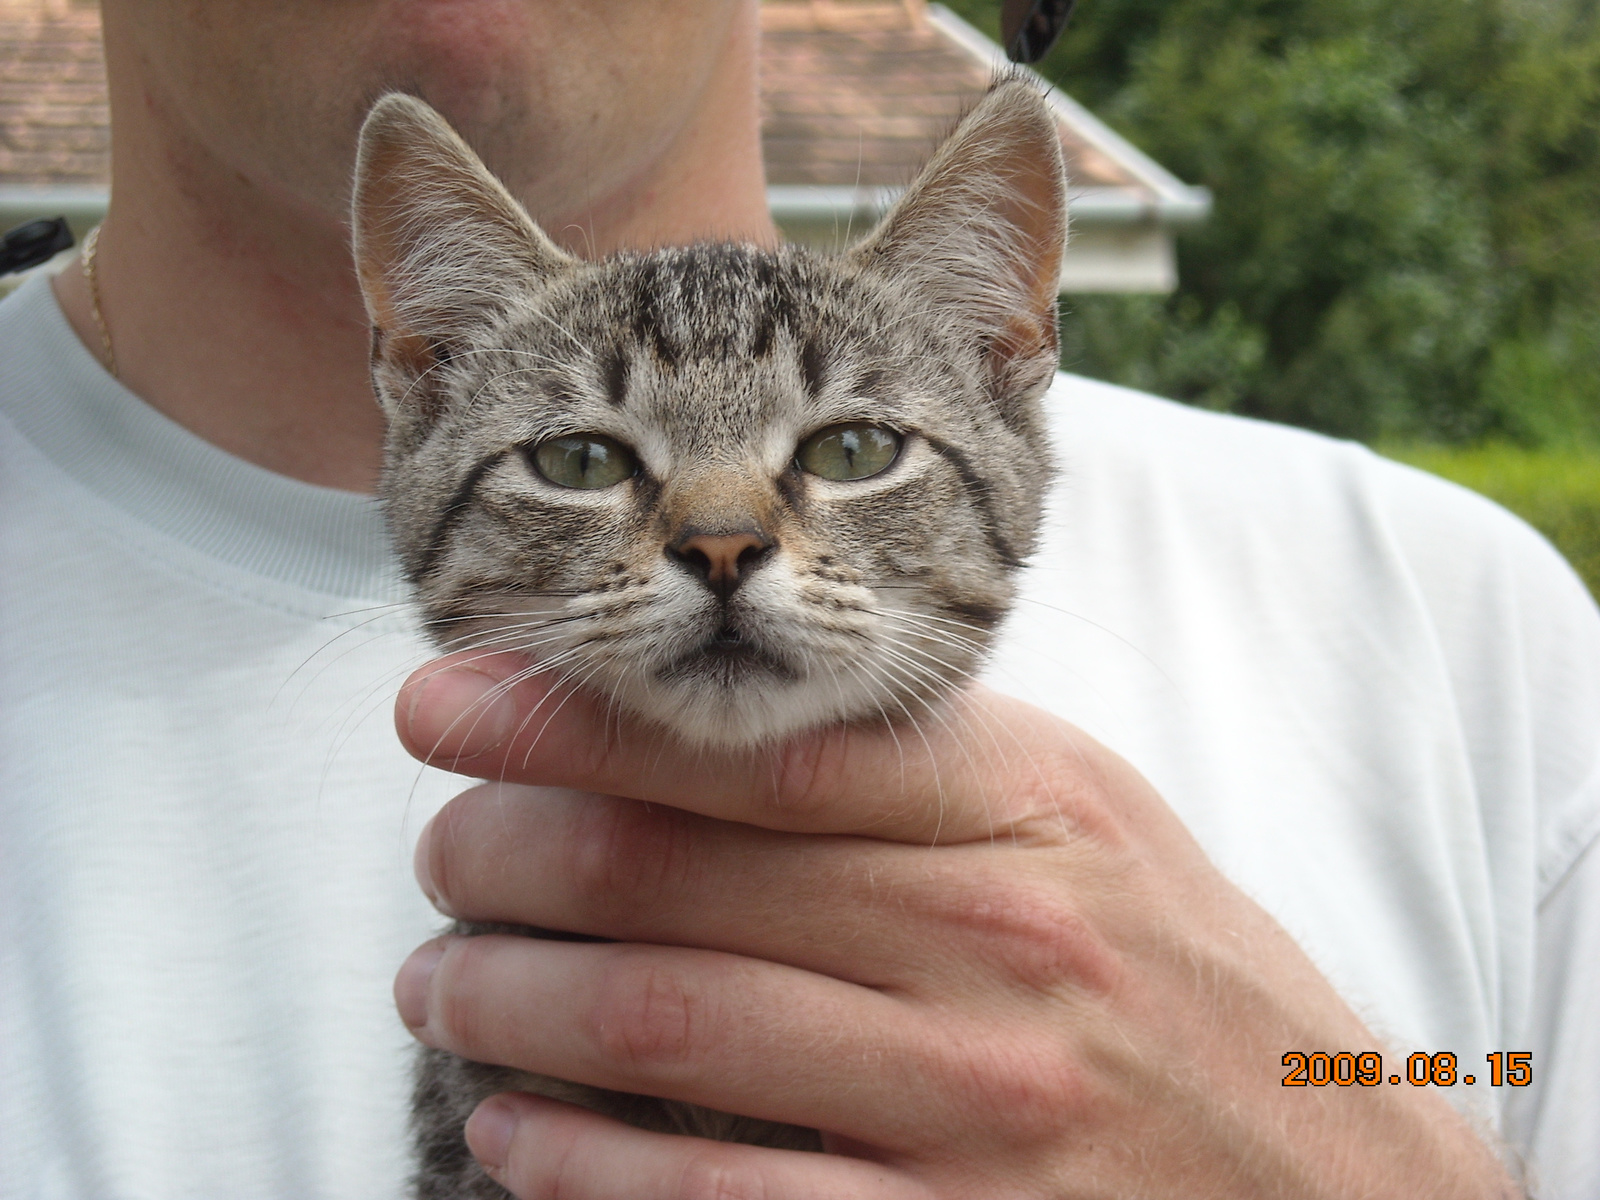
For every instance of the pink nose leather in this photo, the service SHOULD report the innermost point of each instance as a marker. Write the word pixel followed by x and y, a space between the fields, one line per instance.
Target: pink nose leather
pixel 721 558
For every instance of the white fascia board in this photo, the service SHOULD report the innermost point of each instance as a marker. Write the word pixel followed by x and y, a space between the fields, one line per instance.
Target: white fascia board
pixel 1178 203
pixel 1087 206
pixel 809 202
pixel 81 206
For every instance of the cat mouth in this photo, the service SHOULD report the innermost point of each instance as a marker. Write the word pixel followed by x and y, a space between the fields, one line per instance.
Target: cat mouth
pixel 727 656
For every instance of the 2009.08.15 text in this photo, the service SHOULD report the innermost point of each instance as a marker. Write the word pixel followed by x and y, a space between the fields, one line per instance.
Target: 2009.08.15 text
pixel 1506 1068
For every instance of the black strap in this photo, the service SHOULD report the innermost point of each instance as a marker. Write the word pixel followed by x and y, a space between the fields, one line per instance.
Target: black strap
pixel 34 243
pixel 1028 28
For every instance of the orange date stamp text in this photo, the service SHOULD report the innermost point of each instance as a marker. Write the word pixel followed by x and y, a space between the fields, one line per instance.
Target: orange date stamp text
pixel 1513 1068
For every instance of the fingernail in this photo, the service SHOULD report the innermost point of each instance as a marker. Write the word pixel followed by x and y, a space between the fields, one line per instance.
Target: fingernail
pixel 421 867
pixel 489 1131
pixel 461 712
pixel 411 984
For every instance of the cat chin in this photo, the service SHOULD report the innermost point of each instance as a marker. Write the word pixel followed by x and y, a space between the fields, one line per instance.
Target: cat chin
pixel 754 714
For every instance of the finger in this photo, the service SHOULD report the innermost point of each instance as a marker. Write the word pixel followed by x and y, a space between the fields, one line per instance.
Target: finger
pixel 879 914
pixel 542 1149
pixel 730 1033
pixel 984 766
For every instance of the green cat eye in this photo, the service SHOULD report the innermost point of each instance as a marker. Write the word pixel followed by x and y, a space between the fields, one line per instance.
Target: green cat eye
pixel 844 452
pixel 584 460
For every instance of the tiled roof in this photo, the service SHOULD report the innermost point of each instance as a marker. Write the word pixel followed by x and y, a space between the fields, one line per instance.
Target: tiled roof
pixel 854 93
pixel 54 126
pixel 857 93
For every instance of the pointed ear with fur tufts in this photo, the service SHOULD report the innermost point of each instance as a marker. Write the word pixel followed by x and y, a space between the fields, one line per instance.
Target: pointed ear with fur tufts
pixel 980 233
pixel 440 246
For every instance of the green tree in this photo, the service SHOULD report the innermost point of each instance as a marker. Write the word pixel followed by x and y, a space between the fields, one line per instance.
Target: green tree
pixel 1406 240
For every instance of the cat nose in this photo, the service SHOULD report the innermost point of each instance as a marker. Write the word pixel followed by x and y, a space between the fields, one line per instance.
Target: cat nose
pixel 722 560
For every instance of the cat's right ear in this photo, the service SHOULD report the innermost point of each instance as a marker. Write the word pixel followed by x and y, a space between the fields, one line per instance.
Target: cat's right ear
pixel 440 246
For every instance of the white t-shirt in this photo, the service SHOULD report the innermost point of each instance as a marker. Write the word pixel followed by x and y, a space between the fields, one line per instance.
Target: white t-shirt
pixel 1374 697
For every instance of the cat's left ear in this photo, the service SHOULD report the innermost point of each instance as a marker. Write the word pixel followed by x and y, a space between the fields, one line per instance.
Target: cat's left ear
pixel 980 233
pixel 440 246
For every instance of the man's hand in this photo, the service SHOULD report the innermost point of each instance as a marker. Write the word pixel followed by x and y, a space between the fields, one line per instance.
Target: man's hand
pixel 982 956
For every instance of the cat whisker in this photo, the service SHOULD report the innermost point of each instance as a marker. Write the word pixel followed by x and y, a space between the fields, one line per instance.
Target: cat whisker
pixel 924 616
pixel 391 606
pixel 1105 629
pixel 994 728
pixel 561 329
pixel 487 700
pixel 939 666
pixel 937 681
pixel 1065 667
pixel 495 351
pixel 328 646
pixel 883 713
pixel 942 637
pixel 574 685
pixel 887 669
pixel 532 594
pixel 500 689
pixel 519 620
pixel 501 632
pixel 478 392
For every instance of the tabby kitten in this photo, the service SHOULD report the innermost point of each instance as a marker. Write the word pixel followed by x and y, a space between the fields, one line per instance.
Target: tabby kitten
pixel 740 492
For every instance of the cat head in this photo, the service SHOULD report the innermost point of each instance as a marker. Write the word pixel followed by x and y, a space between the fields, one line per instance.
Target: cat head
pixel 740 492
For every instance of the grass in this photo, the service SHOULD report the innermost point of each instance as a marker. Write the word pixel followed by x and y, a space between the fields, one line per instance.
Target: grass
pixel 1555 491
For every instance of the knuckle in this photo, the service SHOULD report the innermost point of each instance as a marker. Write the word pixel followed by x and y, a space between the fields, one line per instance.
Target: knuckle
pixel 1029 1088
pixel 604 757
pixel 1030 933
pixel 713 1174
pixel 631 859
pixel 811 771
pixel 456 1012
pixel 1070 789
pixel 442 854
pixel 594 761
pixel 1081 793
pixel 549 1166
pixel 647 1016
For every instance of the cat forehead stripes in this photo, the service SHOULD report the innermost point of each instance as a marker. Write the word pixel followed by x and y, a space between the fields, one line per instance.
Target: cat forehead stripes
pixel 712 315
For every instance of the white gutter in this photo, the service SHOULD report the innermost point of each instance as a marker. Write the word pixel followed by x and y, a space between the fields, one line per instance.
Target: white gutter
pixel 1096 206
pixel 85 206
pixel 807 202
pixel 81 206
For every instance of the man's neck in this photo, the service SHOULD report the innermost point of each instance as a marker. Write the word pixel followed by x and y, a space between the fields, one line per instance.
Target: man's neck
pixel 260 351
pixel 233 309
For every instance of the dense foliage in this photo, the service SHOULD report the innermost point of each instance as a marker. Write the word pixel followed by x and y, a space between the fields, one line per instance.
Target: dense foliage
pixel 1406 239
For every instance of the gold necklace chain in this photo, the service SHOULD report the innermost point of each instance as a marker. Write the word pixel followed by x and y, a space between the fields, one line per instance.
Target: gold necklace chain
pixel 92 275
